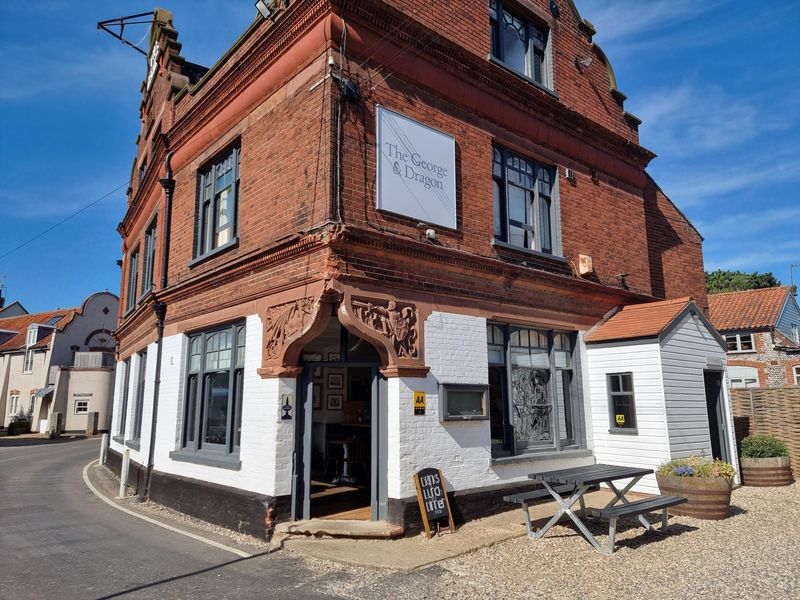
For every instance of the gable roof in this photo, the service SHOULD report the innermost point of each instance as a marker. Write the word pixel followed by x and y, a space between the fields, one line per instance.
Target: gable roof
pixel 747 309
pixel 12 310
pixel 20 325
pixel 637 321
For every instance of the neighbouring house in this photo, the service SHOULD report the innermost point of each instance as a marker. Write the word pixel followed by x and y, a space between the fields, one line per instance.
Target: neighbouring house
pixel 373 238
pixel 59 362
pixel 762 332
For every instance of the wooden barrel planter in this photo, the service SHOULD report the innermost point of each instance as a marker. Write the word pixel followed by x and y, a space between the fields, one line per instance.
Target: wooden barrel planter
pixel 766 472
pixel 709 497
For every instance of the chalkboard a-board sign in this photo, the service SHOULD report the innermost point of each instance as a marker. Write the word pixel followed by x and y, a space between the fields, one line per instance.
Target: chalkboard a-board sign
pixel 432 497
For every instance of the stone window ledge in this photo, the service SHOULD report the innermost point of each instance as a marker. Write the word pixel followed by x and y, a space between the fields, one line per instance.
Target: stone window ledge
pixel 220 461
pixel 537 456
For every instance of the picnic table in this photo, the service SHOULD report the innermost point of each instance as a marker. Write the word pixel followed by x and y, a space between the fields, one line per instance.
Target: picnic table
pixel 568 486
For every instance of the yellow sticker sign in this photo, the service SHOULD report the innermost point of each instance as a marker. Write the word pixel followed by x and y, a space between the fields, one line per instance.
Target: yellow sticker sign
pixel 419 403
pixel 620 419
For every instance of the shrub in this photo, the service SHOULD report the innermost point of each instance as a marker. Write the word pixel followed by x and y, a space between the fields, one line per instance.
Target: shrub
pixel 763 446
pixel 697 466
pixel 19 426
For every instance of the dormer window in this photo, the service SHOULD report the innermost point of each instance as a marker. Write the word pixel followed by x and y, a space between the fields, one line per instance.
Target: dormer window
pixel 518 42
pixel 740 342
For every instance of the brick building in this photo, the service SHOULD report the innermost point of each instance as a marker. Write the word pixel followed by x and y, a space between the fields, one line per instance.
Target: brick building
pixel 370 239
pixel 762 332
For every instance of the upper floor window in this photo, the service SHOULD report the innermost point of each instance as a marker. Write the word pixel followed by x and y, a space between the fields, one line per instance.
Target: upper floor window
pixel 142 172
pixel 214 382
pixel 517 42
pixel 525 211
pixel 740 342
pixel 796 333
pixel 133 279
pixel 217 207
pixel 149 258
pixel 797 375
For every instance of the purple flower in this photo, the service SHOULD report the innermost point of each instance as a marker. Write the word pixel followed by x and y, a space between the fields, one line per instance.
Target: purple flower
pixel 683 471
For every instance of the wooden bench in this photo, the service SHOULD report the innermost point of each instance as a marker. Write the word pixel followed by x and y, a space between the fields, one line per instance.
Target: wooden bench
pixel 525 498
pixel 635 509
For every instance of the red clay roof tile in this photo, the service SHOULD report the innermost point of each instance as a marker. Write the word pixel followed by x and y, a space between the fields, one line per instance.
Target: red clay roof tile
pixel 20 326
pixel 639 321
pixel 748 309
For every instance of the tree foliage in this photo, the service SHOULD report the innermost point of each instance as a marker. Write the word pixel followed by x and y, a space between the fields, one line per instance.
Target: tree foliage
pixel 734 281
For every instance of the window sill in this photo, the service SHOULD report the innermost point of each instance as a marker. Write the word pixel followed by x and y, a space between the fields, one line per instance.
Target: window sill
pixel 212 253
pixel 221 461
pixel 522 76
pixel 133 444
pixel 119 439
pixel 741 352
pixel 546 455
pixel 506 246
pixel 623 431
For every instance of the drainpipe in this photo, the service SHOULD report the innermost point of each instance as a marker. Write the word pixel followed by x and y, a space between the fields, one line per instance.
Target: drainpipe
pixel 168 183
pixel 160 310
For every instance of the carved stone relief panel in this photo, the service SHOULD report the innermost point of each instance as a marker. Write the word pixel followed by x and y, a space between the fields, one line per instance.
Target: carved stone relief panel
pixel 394 321
pixel 286 322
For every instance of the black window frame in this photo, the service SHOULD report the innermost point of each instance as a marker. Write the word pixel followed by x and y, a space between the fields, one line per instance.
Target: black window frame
pixel 149 259
pixel 527 175
pixel 614 427
pixel 123 415
pixel 197 393
pixel 536 60
pixel 206 226
pixel 509 447
pixel 131 295
pixel 138 408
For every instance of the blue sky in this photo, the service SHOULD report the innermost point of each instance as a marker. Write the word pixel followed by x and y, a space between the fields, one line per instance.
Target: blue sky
pixel 716 83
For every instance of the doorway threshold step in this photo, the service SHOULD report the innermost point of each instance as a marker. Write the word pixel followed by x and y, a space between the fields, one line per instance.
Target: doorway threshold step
pixel 340 528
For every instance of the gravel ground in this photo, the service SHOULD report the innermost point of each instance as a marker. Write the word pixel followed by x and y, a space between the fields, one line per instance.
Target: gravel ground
pixel 755 553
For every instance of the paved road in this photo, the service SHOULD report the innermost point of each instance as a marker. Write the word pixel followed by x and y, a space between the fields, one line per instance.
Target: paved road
pixel 57 540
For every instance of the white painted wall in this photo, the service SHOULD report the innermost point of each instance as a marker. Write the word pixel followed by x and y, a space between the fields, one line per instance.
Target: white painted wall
pixel 266 442
pixel 649 447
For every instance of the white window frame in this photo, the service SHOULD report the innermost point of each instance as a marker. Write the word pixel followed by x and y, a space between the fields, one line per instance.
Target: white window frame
pixel 86 407
pixel 13 404
pixel 796 370
pixel 738 337
pixel 27 366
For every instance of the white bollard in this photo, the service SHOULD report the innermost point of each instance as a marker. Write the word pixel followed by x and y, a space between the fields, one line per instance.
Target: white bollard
pixel 103 448
pixel 123 476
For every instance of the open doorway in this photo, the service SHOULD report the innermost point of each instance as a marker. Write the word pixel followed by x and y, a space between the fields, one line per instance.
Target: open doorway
pixel 339 438
pixel 716 415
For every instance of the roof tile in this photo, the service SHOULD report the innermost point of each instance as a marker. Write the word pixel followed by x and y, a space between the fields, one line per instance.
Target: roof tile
pixel 20 326
pixel 747 309
pixel 639 321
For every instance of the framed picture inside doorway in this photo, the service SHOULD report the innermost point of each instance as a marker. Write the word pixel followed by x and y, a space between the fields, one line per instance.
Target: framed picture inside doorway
pixel 334 402
pixel 335 381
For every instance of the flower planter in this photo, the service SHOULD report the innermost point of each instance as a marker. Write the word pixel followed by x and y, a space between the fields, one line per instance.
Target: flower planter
pixel 709 497
pixel 766 472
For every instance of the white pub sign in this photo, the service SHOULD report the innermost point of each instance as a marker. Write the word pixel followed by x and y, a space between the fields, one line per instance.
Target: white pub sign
pixel 416 170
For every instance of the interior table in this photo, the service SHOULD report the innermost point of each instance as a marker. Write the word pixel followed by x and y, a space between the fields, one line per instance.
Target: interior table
pixel 582 480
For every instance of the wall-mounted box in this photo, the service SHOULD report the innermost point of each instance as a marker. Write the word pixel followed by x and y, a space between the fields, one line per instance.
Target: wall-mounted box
pixel 458 402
